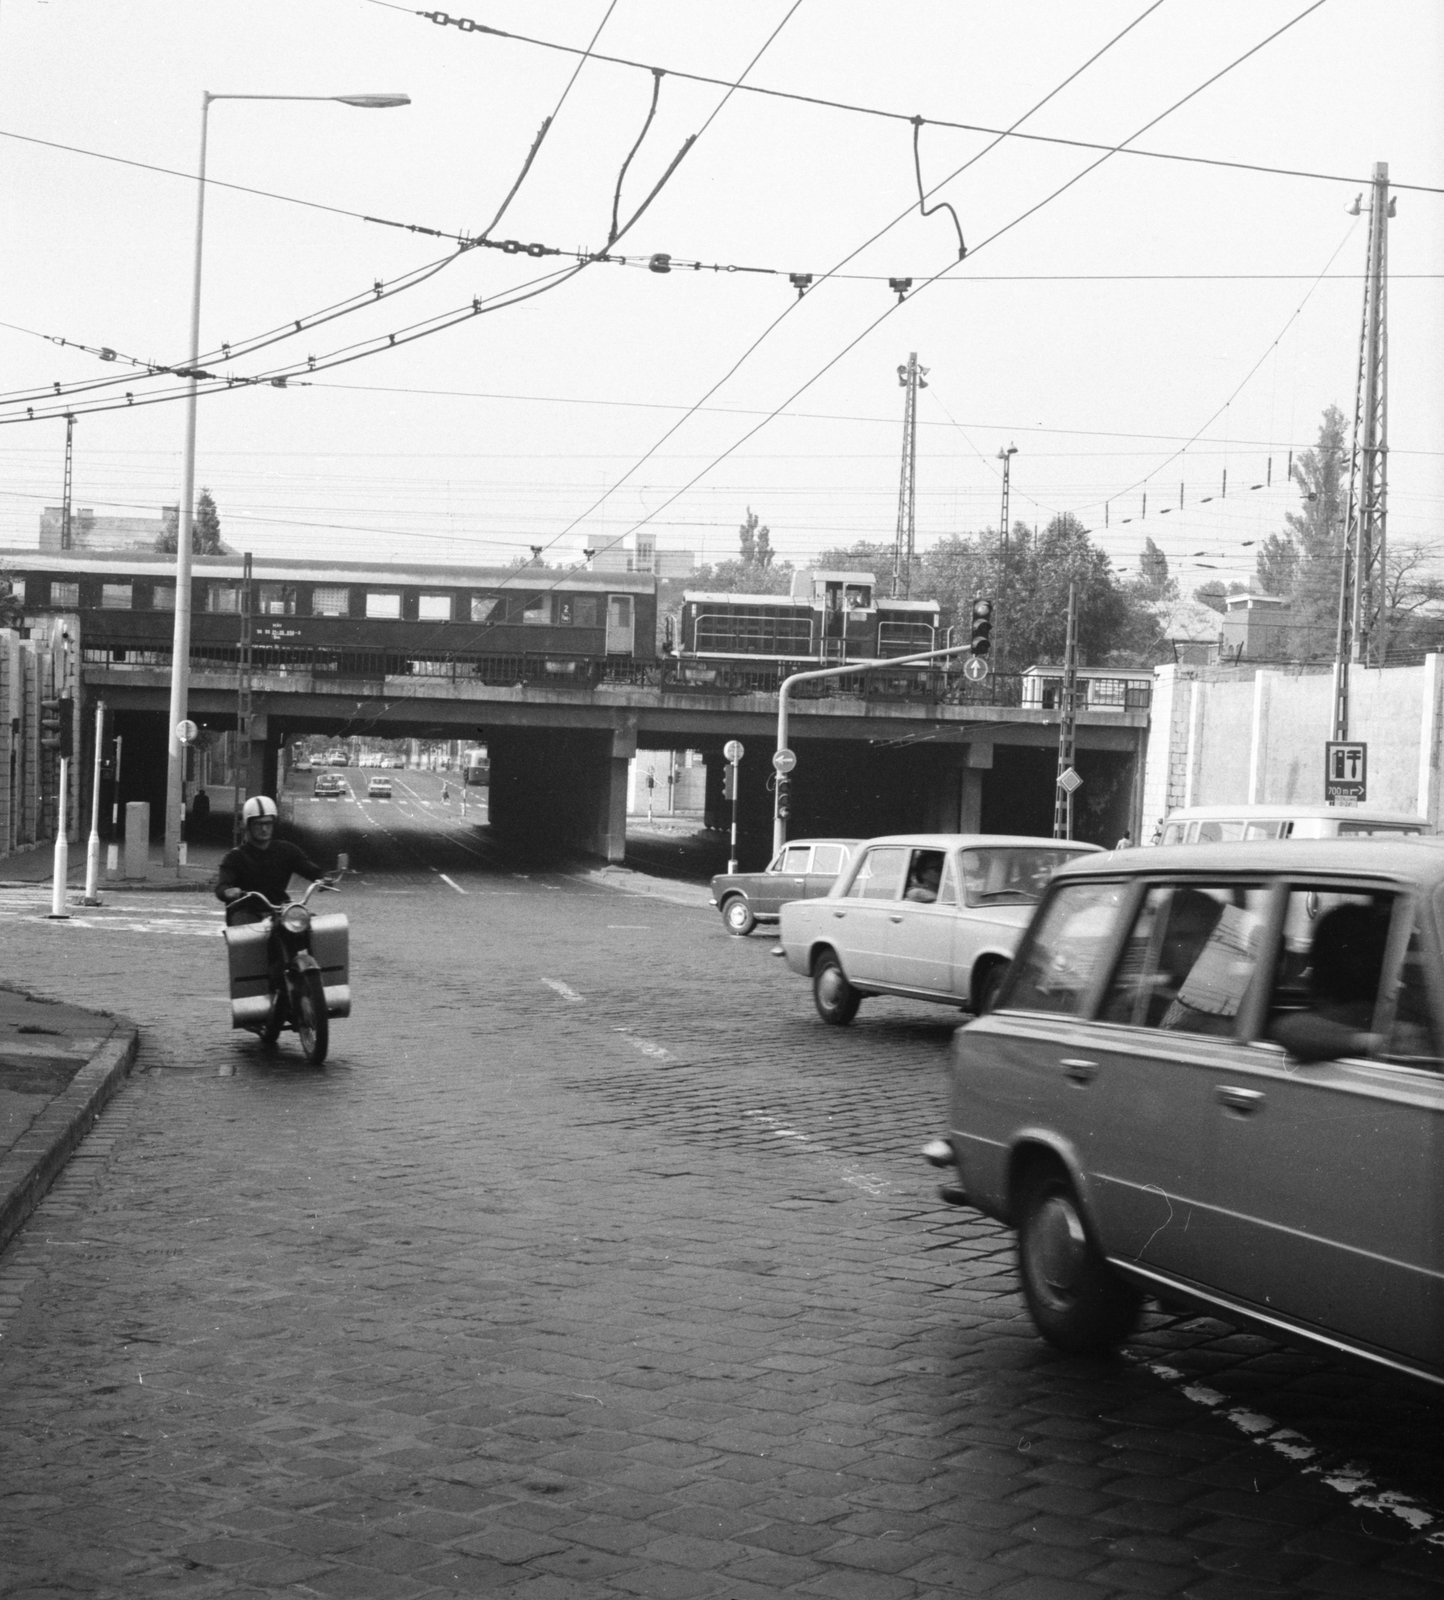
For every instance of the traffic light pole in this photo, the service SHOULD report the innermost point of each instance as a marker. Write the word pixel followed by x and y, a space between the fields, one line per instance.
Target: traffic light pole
pixel 779 814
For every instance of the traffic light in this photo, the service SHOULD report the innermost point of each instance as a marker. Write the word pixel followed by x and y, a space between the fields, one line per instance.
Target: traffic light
pixel 784 796
pixel 50 738
pixel 982 627
pixel 729 781
pixel 67 725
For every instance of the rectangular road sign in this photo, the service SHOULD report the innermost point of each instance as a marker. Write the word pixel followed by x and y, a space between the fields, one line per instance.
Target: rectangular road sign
pixel 1346 772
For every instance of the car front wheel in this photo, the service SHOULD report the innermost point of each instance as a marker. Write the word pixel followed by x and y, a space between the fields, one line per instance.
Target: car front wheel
pixel 737 916
pixel 835 998
pixel 1077 1302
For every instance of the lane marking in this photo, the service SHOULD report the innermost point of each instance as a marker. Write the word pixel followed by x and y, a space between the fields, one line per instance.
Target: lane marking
pixel 869 1182
pixel 565 990
pixel 440 874
pixel 1352 1479
pixel 657 1052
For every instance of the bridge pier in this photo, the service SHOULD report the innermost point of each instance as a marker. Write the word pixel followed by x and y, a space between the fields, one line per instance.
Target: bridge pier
pixel 562 786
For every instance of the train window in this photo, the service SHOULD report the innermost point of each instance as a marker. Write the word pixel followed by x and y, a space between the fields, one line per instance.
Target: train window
pixel 382 605
pixel 482 606
pixel 276 599
pixel 115 597
pixel 61 594
pixel 538 609
pixel 330 601
pixel 585 611
pixel 433 608
pixel 223 597
pixel 162 597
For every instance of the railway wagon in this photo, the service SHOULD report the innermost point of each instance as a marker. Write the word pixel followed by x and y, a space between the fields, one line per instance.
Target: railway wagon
pixel 829 619
pixel 343 615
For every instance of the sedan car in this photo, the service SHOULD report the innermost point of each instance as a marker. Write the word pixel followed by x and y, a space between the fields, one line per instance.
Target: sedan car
pixel 379 789
pixel 1215 1074
pixel 329 787
pixel 801 870
pixel 931 916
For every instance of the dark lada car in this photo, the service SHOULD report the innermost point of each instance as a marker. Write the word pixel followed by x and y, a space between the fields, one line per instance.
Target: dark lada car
pixel 800 871
pixel 1215 1074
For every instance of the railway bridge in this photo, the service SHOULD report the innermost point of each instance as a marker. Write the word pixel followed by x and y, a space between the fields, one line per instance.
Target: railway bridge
pixel 876 754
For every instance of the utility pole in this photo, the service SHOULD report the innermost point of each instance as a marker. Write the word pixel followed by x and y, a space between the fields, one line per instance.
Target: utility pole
pixel 909 377
pixel 243 696
pixel 1006 457
pixel 1068 779
pixel 1363 600
pixel 66 537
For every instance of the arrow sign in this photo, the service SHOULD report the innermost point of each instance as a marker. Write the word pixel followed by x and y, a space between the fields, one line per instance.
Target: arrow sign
pixel 784 761
pixel 975 669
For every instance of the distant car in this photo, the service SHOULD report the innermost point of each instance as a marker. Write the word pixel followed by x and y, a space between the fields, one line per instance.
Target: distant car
pixel 379 789
pixel 329 787
pixel 340 759
pixel 929 916
pixel 1215 1075
pixel 802 870
pixel 302 764
pixel 1225 824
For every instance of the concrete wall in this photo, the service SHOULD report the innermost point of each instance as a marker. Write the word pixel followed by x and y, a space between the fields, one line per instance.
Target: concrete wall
pixel 1234 736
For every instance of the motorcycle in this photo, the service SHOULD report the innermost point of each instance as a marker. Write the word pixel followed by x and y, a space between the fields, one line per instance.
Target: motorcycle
pixel 289 969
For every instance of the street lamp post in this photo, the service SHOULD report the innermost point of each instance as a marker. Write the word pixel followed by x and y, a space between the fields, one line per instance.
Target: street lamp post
pixel 181 638
pixel 1006 457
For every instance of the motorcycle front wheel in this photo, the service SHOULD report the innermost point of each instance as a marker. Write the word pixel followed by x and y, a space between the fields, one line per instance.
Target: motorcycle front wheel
pixel 308 1016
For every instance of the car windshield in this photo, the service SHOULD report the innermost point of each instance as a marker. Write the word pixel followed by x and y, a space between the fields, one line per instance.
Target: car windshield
pixel 1012 875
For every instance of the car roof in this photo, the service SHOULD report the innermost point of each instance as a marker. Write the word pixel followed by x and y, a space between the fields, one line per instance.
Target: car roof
pixel 1270 812
pixel 822 838
pixel 1421 859
pixel 949 841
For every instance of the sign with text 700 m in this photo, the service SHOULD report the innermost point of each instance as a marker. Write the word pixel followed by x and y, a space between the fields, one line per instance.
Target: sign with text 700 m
pixel 1346 771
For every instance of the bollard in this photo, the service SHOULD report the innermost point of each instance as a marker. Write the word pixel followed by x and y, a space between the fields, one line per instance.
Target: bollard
pixel 62 849
pixel 137 838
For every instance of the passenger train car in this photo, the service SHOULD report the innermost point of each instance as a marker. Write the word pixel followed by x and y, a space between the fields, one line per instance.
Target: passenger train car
pixel 360 617
pixel 829 619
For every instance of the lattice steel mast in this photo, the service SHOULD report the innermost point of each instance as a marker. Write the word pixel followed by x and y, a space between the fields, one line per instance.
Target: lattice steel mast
pixel 1363 599
pixel 911 378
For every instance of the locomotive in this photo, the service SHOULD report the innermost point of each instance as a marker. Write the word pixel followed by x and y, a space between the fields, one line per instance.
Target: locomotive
pixel 828 620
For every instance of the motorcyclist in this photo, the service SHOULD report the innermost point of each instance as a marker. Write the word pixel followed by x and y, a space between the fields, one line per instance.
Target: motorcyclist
pixel 263 864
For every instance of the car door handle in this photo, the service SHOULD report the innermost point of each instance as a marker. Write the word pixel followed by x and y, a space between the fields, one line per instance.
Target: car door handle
pixel 1078 1070
pixel 839 913
pixel 894 919
pixel 1244 1101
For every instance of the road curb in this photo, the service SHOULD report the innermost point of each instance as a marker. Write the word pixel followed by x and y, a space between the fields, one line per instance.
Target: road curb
pixel 37 1158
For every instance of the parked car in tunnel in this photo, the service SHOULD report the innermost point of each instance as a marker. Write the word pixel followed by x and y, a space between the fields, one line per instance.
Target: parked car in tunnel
pixel 1215 1074
pixel 801 870
pixel 929 916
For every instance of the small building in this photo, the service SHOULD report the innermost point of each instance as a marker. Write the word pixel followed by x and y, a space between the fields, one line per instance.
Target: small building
pixel 1257 627
pixel 612 555
pixel 90 532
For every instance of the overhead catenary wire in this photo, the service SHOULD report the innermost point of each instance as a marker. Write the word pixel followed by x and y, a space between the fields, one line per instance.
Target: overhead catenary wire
pixel 467 26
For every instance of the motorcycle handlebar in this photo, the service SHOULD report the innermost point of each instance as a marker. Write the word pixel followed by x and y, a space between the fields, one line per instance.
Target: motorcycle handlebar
pixel 255 894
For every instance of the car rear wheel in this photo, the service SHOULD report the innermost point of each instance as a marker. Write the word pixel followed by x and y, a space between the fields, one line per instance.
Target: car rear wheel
pixel 835 998
pixel 737 916
pixel 1077 1302
pixel 987 985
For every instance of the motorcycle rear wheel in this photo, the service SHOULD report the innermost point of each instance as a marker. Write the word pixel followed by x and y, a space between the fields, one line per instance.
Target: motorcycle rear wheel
pixel 312 1025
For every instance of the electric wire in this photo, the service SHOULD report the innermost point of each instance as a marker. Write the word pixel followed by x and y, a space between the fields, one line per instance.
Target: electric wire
pixel 466 25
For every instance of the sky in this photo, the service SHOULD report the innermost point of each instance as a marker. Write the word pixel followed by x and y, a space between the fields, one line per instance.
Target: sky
pixel 1156 324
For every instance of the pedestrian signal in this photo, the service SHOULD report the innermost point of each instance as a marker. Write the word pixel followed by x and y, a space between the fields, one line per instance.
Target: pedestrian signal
pixel 982 627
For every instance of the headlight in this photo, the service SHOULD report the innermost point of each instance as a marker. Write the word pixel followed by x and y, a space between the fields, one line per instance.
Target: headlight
pixel 295 919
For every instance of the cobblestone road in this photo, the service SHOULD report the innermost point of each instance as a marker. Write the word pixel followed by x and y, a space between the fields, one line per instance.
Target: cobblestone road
pixel 593 1265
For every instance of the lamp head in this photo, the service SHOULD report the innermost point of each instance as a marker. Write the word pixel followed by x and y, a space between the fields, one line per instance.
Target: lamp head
pixel 373 102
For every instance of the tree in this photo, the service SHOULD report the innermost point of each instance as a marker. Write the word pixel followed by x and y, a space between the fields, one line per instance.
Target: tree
pixel 1278 564
pixel 205 528
pixel 755 542
pixel 1153 581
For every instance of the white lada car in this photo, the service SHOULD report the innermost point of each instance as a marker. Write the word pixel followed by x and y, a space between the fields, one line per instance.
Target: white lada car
pixel 929 916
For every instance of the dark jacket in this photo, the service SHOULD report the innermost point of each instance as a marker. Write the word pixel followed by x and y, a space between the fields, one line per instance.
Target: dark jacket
pixel 266 871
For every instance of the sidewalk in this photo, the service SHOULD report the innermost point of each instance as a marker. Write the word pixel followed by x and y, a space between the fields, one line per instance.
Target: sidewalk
pixel 59 1064
pixel 36 866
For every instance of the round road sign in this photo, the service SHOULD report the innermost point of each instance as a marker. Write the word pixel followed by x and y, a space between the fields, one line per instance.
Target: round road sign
pixel 975 669
pixel 784 761
pixel 733 750
pixel 186 731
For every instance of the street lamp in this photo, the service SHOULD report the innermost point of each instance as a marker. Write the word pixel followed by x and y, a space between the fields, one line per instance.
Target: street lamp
pixel 181 640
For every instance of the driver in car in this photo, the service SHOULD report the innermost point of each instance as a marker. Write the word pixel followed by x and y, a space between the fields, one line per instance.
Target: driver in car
pixel 263 864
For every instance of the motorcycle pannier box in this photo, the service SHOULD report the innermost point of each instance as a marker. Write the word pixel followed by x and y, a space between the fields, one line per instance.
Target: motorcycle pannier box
pixel 330 944
pixel 250 987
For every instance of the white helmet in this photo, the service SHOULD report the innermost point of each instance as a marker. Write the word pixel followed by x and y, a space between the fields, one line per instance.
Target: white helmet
pixel 259 808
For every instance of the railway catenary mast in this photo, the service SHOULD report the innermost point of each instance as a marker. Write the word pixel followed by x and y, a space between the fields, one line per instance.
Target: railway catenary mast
pixel 912 378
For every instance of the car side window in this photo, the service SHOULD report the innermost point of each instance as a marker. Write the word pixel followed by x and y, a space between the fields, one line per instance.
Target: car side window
pixel 880 875
pixel 827 858
pixel 1189 958
pixel 1056 968
pixel 924 877
pixel 1414 1034
pixel 796 857
pixel 1328 971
